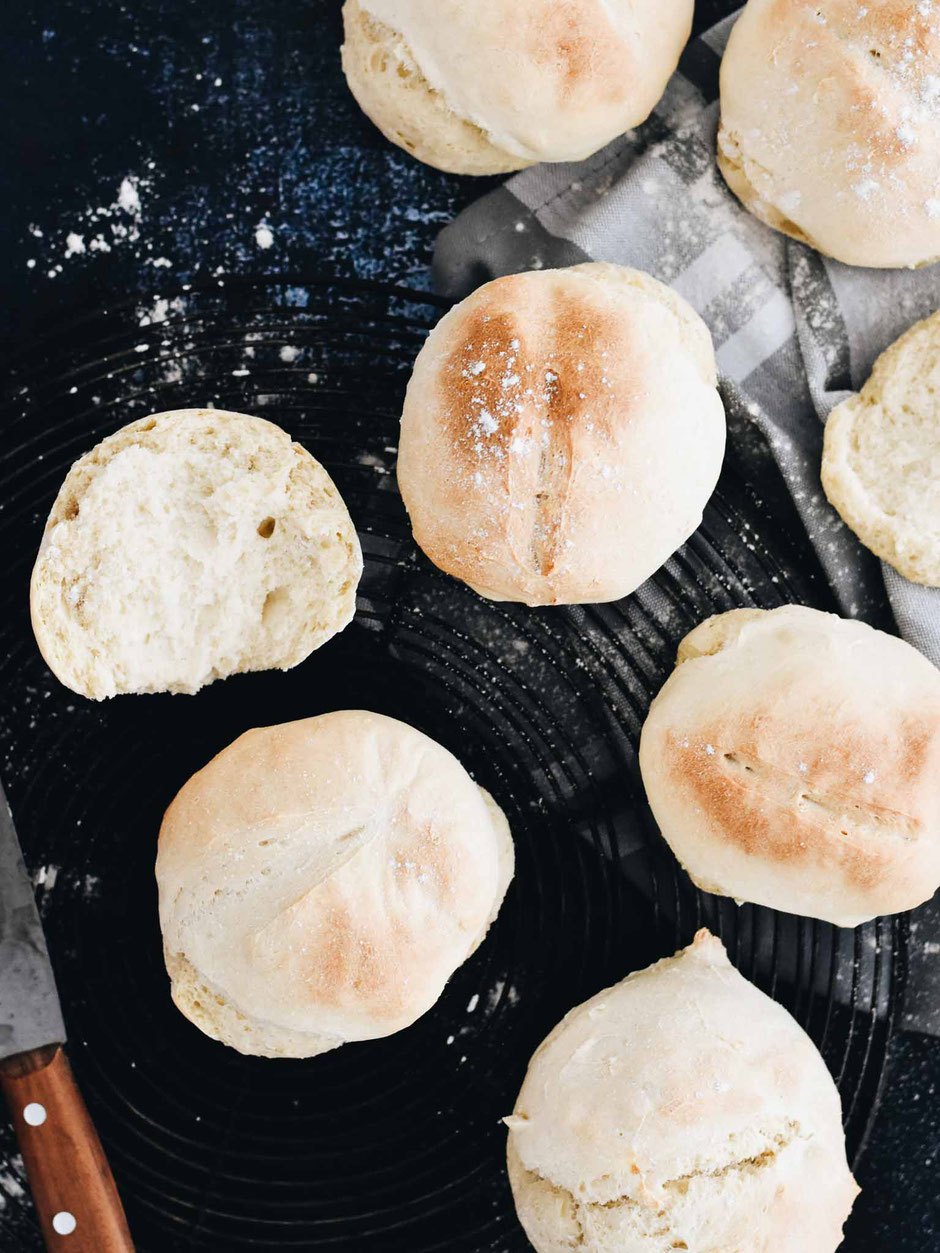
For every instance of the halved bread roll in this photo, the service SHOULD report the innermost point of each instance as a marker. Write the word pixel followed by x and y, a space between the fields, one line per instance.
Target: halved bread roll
pixel 881 456
pixel 189 546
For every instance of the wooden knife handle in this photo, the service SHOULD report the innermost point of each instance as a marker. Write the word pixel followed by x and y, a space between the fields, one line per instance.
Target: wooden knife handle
pixel 76 1199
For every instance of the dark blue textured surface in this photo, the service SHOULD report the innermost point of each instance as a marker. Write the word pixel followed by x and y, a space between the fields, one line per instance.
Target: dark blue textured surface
pixel 223 118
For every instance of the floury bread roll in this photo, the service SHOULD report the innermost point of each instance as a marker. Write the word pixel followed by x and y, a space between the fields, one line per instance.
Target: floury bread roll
pixel 321 881
pixel 561 434
pixel 487 87
pixel 189 546
pixel 793 759
pixel 681 1109
pixel 830 125
pixel 881 456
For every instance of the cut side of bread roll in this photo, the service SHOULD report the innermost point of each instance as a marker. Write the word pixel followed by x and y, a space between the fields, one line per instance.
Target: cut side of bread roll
pixel 186 547
pixel 792 759
pixel 881 456
pixel 320 881
pixel 680 1109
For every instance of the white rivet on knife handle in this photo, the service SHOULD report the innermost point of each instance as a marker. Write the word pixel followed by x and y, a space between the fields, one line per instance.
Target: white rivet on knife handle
pixel 35 1114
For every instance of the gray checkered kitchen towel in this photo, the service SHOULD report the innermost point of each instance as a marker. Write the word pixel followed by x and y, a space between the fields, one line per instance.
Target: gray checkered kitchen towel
pixel 793 330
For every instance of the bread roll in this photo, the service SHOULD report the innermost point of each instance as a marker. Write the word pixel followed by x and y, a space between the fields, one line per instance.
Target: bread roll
pixel 321 881
pixel 793 759
pixel 561 434
pixel 487 87
pixel 189 546
pixel 680 1109
pixel 881 456
pixel 830 125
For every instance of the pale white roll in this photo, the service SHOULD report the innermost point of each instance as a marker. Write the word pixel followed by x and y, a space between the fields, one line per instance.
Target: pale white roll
pixel 320 881
pixel 680 1109
pixel 830 125
pixel 488 87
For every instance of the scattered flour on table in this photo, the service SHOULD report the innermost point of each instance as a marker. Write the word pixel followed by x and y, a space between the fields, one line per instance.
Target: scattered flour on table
pixel 12 1180
pixel 99 229
pixel 495 994
pixel 373 462
pixel 129 195
pixel 160 310
pixel 45 877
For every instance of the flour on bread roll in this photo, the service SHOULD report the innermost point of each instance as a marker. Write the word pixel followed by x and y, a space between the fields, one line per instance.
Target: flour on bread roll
pixel 487 87
pixel 561 434
pixel 881 456
pixel 793 759
pixel 320 881
pixel 188 546
pixel 680 1109
pixel 830 125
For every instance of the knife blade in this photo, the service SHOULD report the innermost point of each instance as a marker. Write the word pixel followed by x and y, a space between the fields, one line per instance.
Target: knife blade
pixel 30 1014
pixel 74 1191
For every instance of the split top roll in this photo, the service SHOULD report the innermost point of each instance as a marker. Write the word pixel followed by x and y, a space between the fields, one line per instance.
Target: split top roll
pixel 561 434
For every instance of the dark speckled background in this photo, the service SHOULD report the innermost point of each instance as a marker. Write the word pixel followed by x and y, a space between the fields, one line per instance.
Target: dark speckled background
pixel 219 118
pixel 228 115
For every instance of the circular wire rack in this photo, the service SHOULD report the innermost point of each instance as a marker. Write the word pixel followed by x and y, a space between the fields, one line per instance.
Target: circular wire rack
pixel 394 1144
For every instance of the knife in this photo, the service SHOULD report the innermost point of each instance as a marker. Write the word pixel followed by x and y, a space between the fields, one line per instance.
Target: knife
pixel 76 1199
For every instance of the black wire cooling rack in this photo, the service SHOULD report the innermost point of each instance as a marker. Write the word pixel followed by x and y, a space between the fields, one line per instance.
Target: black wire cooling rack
pixel 393 1145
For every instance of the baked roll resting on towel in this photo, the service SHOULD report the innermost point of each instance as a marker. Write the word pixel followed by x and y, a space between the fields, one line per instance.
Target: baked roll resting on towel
pixel 561 434
pixel 189 546
pixel 830 125
pixel 792 759
pixel 680 1109
pixel 487 87
pixel 881 455
pixel 320 881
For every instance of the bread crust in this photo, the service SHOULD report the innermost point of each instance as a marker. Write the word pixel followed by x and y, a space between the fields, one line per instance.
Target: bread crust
pixel 481 89
pixel 561 434
pixel 792 759
pixel 830 126
pixel 320 881
pixel 681 1108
